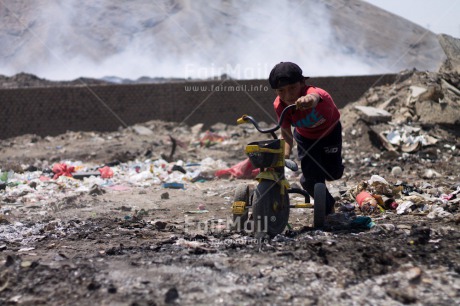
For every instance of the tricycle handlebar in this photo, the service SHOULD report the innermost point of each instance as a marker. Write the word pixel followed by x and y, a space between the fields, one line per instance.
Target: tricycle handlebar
pixel 246 118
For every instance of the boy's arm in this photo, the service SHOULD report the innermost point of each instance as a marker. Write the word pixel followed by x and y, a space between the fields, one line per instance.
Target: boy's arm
pixel 286 134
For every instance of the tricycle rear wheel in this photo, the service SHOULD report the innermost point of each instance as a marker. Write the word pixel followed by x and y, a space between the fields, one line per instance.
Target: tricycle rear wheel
pixel 240 220
pixel 319 207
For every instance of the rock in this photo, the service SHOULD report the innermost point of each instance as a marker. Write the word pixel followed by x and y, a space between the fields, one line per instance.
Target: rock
pixel 430 173
pixel 164 196
pixel 373 98
pixel 451 47
pixel 405 296
pixel 388 227
pixel 171 295
pixel 450 87
pixel 26 264
pixel 33 185
pixel 433 93
pixel 373 115
pixel 396 171
pixel 417 91
pixel 414 274
pixel 420 234
pixel 160 225
pixel 435 113
pixel 93 286
pixel 142 130
pixel 196 129
pixel 387 103
pixel 112 289
pixel 96 190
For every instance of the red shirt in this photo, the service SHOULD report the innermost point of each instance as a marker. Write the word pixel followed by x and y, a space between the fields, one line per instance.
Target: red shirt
pixel 312 123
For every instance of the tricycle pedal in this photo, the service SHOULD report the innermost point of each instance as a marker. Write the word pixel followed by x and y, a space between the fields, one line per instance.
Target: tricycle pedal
pixel 238 207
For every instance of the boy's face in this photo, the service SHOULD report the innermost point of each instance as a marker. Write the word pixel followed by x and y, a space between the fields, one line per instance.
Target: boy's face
pixel 290 93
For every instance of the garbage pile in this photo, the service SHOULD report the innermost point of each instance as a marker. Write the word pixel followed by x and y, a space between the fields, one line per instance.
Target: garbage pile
pixel 377 196
pixel 401 148
pixel 411 124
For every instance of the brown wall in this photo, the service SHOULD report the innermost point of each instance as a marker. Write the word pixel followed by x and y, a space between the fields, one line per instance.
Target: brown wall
pixel 55 110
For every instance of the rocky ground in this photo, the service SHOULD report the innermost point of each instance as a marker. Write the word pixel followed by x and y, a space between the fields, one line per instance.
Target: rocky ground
pixel 131 240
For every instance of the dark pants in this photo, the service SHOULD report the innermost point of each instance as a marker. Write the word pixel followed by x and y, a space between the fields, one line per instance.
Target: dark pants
pixel 321 161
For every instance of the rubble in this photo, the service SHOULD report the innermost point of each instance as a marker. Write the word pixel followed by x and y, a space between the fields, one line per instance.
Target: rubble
pixel 451 47
pixel 373 115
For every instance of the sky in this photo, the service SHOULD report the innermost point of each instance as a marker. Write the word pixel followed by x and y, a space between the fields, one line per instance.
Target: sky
pixel 439 16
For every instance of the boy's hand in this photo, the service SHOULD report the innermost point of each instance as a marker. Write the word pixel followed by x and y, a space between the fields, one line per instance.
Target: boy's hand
pixel 308 101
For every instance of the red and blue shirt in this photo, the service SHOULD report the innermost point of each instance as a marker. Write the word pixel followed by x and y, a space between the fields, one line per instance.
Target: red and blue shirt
pixel 312 123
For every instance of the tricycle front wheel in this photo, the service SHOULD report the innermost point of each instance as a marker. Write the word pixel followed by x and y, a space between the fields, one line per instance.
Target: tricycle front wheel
pixel 270 208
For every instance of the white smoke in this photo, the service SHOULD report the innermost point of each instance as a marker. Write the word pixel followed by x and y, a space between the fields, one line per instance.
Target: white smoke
pixel 63 40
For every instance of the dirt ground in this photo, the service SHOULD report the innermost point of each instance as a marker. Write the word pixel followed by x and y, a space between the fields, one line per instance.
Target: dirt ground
pixel 151 245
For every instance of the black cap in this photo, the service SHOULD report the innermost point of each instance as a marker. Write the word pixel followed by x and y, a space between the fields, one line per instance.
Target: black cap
pixel 285 73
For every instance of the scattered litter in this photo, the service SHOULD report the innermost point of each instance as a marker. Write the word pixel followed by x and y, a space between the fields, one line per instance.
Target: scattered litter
pixel 209 139
pixel 194 212
pixel 405 207
pixel 367 203
pixel 68 179
pixel 82 175
pixel 409 139
pixel 438 212
pixel 25 250
pixel 347 221
pixel 189 244
pixel 174 185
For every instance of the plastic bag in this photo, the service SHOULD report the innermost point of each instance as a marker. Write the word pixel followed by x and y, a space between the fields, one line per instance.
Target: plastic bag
pixel 242 170
pixel 62 169
pixel 106 172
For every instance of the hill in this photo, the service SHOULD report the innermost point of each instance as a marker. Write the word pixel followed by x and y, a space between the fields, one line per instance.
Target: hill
pixel 200 39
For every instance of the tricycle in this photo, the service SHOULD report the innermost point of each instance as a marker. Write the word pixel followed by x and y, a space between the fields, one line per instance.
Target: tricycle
pixel 269 200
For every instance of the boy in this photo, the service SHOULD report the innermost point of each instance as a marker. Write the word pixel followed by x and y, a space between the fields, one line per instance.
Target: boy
pixel 317 127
